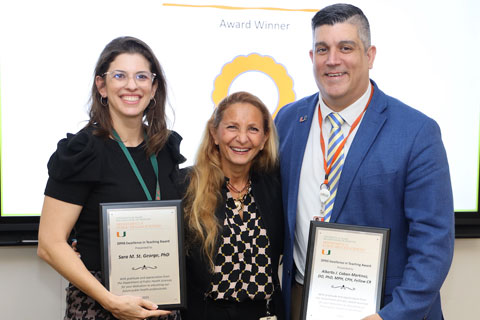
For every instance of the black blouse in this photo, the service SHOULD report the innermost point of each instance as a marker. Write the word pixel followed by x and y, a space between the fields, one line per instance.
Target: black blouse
pixel 88 170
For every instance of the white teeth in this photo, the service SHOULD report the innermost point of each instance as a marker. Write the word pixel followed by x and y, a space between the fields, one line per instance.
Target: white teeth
pixel 335 74
pixel 131 98
pixel 239 150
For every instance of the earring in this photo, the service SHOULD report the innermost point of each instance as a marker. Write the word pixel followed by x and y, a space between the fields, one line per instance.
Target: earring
pixel 154 101
pixel 101 101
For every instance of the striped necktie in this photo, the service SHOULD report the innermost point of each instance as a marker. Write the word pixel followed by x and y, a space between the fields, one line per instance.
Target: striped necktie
pixel 334 140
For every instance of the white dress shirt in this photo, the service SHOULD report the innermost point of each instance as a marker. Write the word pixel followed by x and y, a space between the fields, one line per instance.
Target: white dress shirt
pixel 312 173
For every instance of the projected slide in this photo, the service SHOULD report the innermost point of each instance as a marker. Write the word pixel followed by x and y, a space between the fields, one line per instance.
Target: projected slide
pixel 426 57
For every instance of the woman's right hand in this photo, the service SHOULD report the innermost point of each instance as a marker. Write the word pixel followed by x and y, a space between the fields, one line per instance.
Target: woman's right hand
pixel 133 308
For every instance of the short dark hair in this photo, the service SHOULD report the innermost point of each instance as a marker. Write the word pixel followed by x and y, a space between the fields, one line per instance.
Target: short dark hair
pixel 342 12
pixel 154 115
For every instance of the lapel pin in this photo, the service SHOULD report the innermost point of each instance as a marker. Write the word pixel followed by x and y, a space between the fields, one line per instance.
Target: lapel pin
pixel 302 119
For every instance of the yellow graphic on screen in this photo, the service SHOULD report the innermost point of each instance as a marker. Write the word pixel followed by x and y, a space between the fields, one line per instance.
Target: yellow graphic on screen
pixel 255 62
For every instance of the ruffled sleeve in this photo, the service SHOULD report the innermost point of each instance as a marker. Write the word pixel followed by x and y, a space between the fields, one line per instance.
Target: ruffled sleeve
pixel 77 159
pixel 173 144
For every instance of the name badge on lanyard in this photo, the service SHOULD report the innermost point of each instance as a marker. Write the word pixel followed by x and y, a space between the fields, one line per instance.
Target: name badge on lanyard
pixel 324 195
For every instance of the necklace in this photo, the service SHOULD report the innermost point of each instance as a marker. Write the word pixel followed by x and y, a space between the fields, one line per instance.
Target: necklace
pixel 240 199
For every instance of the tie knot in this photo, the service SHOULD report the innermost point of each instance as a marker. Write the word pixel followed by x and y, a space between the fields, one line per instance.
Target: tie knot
pixel 335 119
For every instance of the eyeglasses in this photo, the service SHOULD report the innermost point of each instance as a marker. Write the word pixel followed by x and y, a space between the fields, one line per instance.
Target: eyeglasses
pixel 142 78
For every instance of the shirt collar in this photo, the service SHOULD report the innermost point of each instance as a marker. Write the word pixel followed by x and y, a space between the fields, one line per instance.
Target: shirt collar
pixel 350 113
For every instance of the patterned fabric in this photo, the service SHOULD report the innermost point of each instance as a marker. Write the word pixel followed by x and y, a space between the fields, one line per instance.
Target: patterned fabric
pixel 334 142
pixel 82 307
pixel 242 266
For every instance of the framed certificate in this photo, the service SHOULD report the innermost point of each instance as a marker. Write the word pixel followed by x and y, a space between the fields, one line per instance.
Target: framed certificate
pixel 142 251
pixel 345 271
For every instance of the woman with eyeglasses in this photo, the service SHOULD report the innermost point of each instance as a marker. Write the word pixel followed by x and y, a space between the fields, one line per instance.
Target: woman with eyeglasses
pixel 127 129
pixel 233 216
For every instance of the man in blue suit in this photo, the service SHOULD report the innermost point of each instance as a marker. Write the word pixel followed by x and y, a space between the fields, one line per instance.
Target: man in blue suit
pixel 392 172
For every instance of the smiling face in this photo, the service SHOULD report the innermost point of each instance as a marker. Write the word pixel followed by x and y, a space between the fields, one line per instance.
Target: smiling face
pixel 129 97
pixel 240 136
pixel 340 64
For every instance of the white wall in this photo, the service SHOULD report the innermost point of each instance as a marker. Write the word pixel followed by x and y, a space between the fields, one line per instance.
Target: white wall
pixel 30 289
pixel 460 292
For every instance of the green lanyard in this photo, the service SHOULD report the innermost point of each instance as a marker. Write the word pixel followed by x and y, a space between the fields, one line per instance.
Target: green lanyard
pixel 153 160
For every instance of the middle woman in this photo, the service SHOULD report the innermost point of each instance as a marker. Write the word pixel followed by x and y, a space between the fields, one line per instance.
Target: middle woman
pixel 234 217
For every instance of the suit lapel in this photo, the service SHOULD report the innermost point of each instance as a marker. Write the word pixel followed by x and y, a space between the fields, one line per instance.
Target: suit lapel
pixel 302 124
pixel 368 130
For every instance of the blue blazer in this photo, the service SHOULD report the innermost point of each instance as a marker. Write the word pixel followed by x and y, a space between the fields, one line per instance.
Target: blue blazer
pixel 395 176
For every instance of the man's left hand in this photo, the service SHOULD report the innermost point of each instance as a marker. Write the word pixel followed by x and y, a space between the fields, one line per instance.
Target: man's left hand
pixel 373 317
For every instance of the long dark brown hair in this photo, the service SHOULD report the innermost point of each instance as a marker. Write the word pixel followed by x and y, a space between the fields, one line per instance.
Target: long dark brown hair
pixel 154 119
